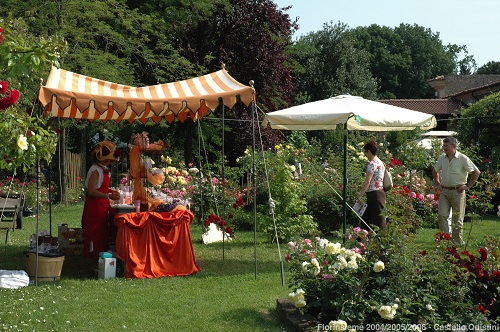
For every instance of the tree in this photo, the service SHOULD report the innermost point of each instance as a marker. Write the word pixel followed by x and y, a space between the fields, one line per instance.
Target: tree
pixel 330 65
pixel 404 58
pixel 470 134
pixel 492 67
pixel 147 42
pixel 252 38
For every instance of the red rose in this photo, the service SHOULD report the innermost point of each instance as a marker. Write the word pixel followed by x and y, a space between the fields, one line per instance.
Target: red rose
pixel 10 100
pixel 484 253
pixel 3 87
pixel 229 230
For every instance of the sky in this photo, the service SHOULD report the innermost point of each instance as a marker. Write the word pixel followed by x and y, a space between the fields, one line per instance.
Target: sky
pixel 474 23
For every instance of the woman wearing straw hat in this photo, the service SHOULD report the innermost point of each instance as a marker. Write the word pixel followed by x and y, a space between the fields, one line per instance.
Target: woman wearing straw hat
pixel 96 210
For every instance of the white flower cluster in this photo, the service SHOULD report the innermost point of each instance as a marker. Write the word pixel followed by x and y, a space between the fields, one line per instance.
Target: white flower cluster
pixel 345 259
pixel 337 325
pixel 311 267
pixel 297 298
pixel 388 311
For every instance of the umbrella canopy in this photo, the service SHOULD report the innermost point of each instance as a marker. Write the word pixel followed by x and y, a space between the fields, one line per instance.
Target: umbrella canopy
pixel 356 112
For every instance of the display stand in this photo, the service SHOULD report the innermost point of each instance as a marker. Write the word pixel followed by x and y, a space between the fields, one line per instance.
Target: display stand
pixel 143 174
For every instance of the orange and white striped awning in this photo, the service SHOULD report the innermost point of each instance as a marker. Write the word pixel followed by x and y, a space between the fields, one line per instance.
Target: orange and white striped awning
pixel 71 95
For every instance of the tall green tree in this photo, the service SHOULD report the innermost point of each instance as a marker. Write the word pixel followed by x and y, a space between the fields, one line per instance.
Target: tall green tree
pixel 492 67
pixel 404 58
pixel 330 65
pixel 252 38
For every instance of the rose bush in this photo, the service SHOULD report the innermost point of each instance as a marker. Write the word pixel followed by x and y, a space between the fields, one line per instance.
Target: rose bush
pixel 379 278
pixel 23 60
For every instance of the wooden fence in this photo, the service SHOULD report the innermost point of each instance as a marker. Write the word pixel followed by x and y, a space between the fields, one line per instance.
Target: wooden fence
pixel 72 169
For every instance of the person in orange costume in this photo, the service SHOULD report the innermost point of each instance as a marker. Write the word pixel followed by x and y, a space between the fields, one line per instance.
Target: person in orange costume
pixel 96 210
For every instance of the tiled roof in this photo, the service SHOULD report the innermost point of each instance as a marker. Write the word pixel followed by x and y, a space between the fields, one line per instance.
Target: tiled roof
pixel 429 106
pixel 453 84
pixel 490 88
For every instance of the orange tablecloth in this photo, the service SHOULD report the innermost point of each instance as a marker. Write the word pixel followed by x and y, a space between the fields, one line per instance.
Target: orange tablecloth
pixel 156 244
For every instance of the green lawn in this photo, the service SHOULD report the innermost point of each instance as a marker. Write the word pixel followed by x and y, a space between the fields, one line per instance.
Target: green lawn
pixel 226 295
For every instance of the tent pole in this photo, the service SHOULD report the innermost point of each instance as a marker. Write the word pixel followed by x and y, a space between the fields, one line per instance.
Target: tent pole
pixel 37 215
pixel 200 176
pixel 344 187
pixel 223 183
pixel 254 182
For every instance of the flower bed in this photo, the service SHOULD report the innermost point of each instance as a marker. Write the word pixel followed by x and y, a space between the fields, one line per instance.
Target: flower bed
pixel 379 279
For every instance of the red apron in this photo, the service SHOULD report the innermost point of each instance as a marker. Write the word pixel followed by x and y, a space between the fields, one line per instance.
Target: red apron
pixel 95 221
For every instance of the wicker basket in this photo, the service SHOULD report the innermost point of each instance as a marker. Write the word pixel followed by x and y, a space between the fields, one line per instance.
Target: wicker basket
pixel 49 268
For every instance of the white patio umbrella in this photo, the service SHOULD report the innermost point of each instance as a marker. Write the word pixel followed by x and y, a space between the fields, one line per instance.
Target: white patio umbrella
pixel 354 113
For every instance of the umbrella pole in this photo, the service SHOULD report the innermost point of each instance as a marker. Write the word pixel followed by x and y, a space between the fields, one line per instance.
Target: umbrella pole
pixel 344 187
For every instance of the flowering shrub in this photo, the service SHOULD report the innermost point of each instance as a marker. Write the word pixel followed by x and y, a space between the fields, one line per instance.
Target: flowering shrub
pixel 334 282
pixel 378 279
pixel 482 271
pixel 479 197
pixel 28 188
pixel 23 59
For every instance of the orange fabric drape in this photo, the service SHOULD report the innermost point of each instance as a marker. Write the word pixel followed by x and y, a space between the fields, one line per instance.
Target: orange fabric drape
pixel 154 244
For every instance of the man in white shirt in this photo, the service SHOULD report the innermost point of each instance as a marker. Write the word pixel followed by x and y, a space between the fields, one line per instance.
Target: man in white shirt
pixel 450 176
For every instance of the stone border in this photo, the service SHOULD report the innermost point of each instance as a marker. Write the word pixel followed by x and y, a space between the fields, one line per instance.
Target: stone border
pixel 293 317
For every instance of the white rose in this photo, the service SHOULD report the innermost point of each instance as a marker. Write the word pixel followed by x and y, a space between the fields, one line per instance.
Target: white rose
pixel 352 264
pixel 22 142
pixel 300 292
pixel 337 325
pixel 333 248
pixel 378 266
pixel 300 303
pixel 342 262
pixel 386 312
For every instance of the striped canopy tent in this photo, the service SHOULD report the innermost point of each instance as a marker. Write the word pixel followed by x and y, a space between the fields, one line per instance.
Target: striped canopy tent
pixel 70 95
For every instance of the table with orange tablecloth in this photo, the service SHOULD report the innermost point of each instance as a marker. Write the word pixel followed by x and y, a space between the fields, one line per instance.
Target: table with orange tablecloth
pixel 156 244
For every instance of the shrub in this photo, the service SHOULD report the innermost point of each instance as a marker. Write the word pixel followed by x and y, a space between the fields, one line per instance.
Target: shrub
pixel 378 279
pixel 281 206
pixel 29 188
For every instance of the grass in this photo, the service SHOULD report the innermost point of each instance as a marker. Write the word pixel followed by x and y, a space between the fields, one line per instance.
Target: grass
pixel 226 295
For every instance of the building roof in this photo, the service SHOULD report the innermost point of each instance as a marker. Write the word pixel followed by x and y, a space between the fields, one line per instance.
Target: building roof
pixel 477 92
pixel 448 85
pixel 429 106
